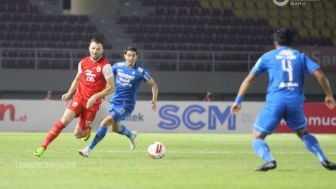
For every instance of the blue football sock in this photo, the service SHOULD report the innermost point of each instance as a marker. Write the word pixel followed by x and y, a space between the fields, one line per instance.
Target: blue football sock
pixel 312 145
pixel 124 131
pixel 262 150
pixel 101 132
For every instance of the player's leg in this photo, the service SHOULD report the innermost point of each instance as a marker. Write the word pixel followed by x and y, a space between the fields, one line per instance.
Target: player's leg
pixel 122 129
pixel 82 131
pixel 312 144
pixel 101 131
pixel 265 124
pixel 100 134
pixel 83 128
pixel 119 114
pixel 55 130
pixel 296 121
pixel 78 132
pixel 262 150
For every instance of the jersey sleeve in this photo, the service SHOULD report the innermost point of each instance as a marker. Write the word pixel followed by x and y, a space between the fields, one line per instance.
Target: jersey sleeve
pixel 144 73
pixel 259 66
pixel 107 71
pixel 310 65
pixel 80 67
pixel 146 76
pixel 114 68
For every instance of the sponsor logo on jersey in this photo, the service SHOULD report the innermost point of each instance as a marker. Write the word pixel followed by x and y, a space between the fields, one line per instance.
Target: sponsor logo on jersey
pixel 124 78
pixel 98 69
pixel 286 54
pixel 74 104
pixel 90 76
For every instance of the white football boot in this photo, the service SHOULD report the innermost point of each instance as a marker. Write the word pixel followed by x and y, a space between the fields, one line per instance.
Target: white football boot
pixel 132 140
pixel 85 152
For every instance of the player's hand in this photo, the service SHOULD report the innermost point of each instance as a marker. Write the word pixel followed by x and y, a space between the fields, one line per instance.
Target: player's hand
pixel 153 106
pixel 66 96
pixel 330 102
pixel 90 102
pixel 235 108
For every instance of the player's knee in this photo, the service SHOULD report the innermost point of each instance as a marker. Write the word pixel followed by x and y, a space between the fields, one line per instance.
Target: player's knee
pixel 106 123
pixel 65 121
pixel 78 134
pixel 301 133
pixel 115 129
pixel 259 135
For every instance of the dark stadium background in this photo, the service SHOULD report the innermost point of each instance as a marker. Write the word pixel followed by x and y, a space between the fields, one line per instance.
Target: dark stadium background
pixel 189 46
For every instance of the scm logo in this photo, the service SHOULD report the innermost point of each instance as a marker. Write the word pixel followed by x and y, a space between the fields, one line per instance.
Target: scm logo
pixel 171 120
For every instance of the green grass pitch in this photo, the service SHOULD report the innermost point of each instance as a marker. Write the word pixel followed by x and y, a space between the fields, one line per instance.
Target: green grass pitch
pixel 195 161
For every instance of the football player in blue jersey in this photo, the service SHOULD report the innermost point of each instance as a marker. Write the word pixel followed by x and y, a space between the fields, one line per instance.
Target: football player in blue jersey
pixel 284 100
pixel 127 75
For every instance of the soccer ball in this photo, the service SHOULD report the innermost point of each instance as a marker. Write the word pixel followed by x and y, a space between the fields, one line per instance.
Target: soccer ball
pixel 156 150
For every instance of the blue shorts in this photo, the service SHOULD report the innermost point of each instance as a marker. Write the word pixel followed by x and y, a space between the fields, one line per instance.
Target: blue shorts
pixel 119 113
pixel 272 113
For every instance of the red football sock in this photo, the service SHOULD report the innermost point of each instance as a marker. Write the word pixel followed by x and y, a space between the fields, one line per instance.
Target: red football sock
pixel 53 133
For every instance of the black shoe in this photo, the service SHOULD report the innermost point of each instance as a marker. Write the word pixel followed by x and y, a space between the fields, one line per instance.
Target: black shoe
pixel 329 165
pixel 267 166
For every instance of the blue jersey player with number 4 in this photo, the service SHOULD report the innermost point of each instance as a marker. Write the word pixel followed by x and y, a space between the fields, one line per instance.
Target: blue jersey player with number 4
pixel 284 100
pixel 127 78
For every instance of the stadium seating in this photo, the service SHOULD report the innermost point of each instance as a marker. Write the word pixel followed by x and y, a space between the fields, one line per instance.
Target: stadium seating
pixel 319 15
pixel 23 26
pixel 225 25
pixel 179 34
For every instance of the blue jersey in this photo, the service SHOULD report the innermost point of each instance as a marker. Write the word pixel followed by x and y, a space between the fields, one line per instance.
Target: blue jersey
pixel 286 68
pixel 127 81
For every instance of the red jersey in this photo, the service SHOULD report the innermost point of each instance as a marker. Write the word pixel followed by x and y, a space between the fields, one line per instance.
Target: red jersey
pixel 93 78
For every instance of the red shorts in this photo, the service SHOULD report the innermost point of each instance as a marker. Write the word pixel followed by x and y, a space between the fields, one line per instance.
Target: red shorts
pixel 85 116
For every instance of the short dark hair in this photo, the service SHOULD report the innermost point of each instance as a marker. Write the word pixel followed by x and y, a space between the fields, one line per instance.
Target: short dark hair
pixel 96 40
pixel 284 36
pixel 130 48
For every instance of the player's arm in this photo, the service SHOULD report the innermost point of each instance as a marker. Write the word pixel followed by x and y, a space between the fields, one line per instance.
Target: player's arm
pixel 108 90
pixel 325 85
pixel 242 91
pixel 73 87
pixel 107 71
pixel 155 91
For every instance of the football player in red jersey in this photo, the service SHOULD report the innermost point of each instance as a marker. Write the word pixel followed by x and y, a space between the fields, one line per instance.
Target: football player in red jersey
pixel 94 81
